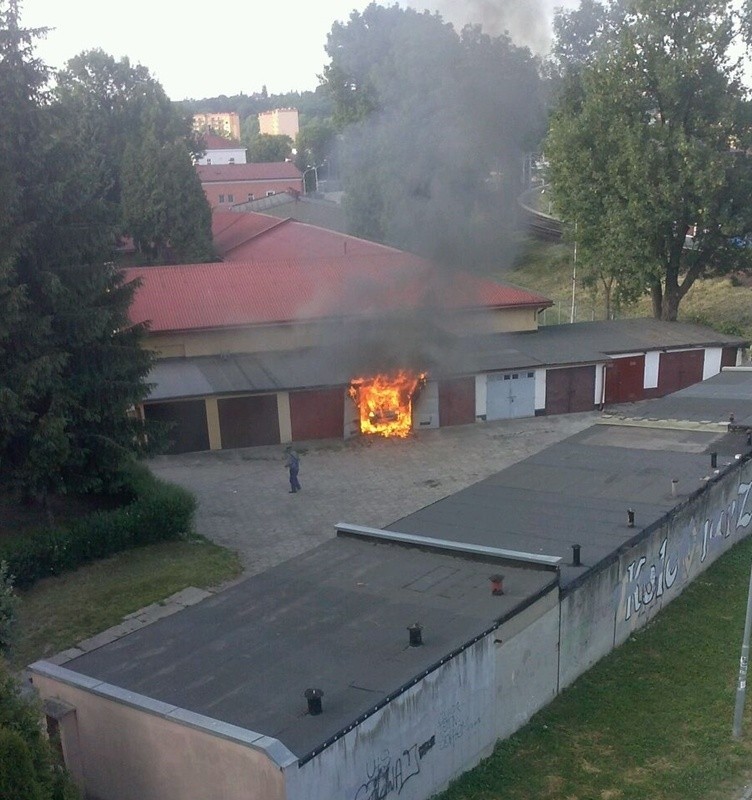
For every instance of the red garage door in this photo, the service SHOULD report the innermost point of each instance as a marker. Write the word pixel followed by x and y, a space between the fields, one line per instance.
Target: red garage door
pixel 187 419
pixel 569 390
pixel 679 370
pixel 625 378
pixel 317 414
pixel 249 421
pixel 457 402
pixel 728 357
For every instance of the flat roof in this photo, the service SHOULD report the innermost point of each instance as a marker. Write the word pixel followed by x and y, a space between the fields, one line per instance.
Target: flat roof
pixel 334 618
pixel 432 350
pixel 578 492
pixel 714 400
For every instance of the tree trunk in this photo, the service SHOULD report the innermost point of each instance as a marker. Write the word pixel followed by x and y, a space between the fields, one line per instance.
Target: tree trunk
pixel 670 308
pixel 656 295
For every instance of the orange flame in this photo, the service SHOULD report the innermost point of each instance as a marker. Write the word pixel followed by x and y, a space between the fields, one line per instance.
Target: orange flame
pixel 385 402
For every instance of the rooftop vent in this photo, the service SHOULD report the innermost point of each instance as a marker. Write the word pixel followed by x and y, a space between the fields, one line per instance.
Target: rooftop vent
pixel 416 634
pixel 313 696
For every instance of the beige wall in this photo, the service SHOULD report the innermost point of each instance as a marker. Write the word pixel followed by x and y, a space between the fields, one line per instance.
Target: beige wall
pixel 263 338
pixel 126 753
pixel 257 339
pixel 496 321
pixel 227 123
pixel 279 122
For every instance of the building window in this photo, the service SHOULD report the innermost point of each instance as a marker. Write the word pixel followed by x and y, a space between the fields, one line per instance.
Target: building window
pixel 221 198
pixel 232 161
pixel 250 196
pixel 208 161
pixel 230 198
pixel 270 194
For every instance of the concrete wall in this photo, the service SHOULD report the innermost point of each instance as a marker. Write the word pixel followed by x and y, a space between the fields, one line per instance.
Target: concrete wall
pixel 630 590
pixel 501 320
pixel 127 747
pixel 445 723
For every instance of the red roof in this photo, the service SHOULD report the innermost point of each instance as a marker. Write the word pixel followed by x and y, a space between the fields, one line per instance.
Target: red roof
pixel 213 141
pixel 276 170
pixel 234 294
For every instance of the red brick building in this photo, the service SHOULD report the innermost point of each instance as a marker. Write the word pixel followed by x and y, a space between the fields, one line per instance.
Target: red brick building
pixel 226 185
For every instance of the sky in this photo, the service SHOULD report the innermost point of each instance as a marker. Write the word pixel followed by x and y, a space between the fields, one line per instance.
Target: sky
pixel 199 51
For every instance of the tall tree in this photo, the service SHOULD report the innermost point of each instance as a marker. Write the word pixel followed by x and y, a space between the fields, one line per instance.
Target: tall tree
pixel 648 144
pixel 267 147
pixel 138 136
pixel 70 362
pixel 434 124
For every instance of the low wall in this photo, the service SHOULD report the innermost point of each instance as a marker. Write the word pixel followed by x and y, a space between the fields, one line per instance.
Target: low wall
pixel 641 578
pixel 444 724
pixel 123 746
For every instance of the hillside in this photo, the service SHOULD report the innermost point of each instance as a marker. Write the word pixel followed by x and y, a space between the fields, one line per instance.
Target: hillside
pixel 721 303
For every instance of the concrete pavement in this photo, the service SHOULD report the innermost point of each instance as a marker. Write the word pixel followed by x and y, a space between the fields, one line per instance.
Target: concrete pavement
pixel 244 504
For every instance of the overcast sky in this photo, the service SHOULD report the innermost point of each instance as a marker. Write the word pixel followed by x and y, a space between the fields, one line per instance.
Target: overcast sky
pixel 201 50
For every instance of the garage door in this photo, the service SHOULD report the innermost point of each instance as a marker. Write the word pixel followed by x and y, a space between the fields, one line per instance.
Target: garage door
pixel 248 421
pixel 625 378
pixel 187 419
pixel 510 394
pixel 317 414
pixel 457 401
pixel 679 370
pixel 570 390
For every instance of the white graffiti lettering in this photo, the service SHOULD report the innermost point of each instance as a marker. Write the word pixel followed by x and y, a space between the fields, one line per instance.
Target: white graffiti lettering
pixel 662 577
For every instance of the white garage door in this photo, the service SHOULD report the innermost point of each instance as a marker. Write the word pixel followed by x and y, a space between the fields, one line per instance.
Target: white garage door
pixel 510 394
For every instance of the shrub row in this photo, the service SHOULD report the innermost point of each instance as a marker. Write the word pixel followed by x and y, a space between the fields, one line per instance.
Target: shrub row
pixel 158 512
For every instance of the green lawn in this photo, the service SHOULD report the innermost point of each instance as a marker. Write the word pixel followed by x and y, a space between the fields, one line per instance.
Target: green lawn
pixel 652 721
pixel 721 303
pixel 57 612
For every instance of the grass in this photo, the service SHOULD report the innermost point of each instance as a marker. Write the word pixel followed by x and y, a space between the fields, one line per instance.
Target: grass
pixel 57 612
pixel 721 303
pixel 651 721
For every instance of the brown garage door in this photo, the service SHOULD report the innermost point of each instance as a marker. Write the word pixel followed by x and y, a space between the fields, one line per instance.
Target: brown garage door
pixel 317 414
pixel 457 402
pixel 625 378
pixel 248 421
pixel 188 432
pixel 728 357
pixel 679 370
pixel 571 389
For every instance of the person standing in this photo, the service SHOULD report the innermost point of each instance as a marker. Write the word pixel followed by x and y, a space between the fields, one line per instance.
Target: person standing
pixel 292 462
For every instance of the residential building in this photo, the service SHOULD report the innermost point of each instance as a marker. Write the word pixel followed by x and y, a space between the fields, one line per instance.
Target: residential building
pixel 224 123
pixel 280 122
pixel 220 150
pixel 226 185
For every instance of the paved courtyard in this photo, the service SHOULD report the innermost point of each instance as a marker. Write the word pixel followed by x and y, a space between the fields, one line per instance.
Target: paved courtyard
pixel 244 504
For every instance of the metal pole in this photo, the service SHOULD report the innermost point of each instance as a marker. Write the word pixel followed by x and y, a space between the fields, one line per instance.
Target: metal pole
pixel 743 663
pixel 574 275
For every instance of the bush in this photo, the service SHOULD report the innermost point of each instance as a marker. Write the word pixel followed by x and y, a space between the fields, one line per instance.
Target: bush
pixel 8 603
pixel 155 511
pixel 28 769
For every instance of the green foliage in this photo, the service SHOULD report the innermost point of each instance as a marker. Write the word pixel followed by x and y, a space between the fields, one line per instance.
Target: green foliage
pixel 268 148
pixel 158 512
pixel 141 146
pixel 433 123
pixel 8 608
pixel 27 767
pixel 314 144
pixel 647 145
pixel 71 365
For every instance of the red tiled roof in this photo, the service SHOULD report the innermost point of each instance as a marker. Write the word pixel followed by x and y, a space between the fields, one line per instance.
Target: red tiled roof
pixel 234 294
pixel 276 170
pixel 231 230
pixel 213 141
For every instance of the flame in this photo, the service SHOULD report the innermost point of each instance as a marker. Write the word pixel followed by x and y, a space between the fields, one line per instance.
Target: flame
pixel 385 402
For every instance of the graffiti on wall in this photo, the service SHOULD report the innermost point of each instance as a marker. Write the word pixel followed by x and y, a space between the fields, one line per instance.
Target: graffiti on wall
pixel 646 581
pixel 385 776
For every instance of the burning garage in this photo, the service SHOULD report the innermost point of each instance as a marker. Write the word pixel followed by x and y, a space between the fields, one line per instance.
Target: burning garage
pixel 305 333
